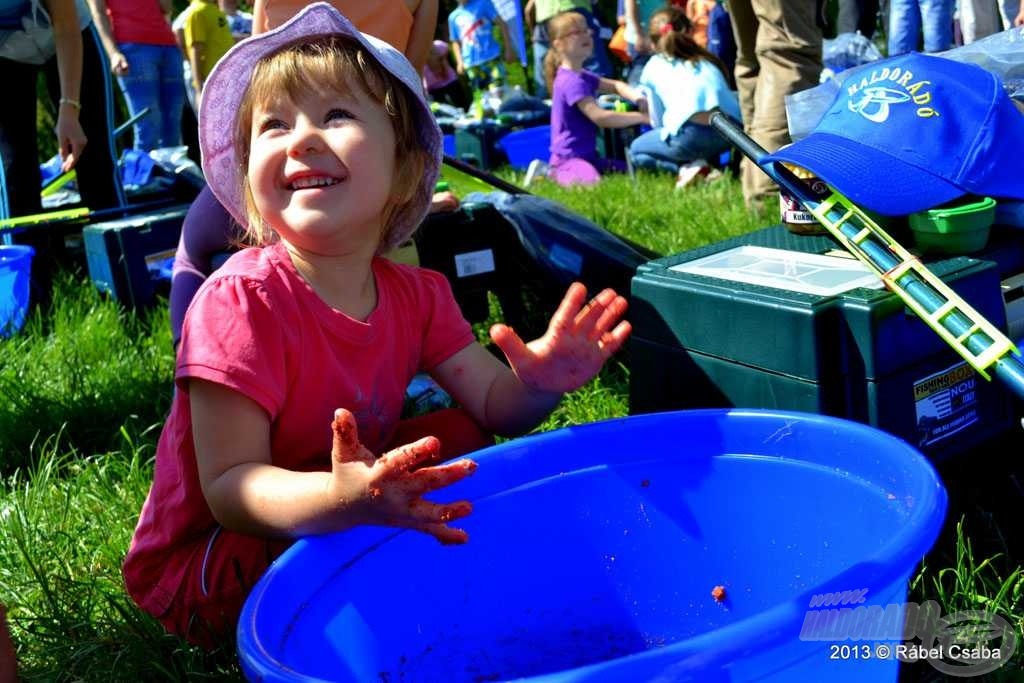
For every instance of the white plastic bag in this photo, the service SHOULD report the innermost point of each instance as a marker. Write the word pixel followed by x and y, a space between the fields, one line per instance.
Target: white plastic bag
pixel 1001 53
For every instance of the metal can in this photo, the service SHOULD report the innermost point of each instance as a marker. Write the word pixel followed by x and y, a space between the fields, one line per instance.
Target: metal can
pixel 793 214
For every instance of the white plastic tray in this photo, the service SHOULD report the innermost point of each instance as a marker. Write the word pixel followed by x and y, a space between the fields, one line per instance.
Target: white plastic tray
pixel 781 269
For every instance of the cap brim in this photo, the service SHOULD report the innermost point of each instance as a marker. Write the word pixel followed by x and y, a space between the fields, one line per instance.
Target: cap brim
pixel 229 80
pixel 866 176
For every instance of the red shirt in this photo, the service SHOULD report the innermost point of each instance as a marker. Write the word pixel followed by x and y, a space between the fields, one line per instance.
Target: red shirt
pixel 258 327
pixel 139 21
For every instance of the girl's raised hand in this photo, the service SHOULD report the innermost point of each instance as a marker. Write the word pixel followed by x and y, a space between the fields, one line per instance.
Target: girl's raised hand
pixel 389 490
pixel 579 339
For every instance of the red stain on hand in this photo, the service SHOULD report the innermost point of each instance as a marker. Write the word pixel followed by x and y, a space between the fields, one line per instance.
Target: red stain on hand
pixel 718 593
pixel 645 483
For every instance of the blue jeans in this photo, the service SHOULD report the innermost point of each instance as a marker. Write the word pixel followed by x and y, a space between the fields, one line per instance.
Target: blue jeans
pixel 598 62
pixel 154 80
pixel 692 142
pixel 907 19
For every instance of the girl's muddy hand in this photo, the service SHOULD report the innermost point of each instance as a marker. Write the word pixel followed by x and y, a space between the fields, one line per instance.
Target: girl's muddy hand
pixel 403 481
pixel 391 489
pixel 579 339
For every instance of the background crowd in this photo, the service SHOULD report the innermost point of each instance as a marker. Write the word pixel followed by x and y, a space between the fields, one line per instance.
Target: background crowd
pixel 112 60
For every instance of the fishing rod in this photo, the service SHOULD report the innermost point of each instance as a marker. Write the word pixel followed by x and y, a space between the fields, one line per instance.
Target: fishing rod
pixel 79 214
pixel 977 340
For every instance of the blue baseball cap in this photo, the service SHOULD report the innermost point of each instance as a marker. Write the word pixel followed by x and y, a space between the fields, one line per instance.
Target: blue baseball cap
pixel 912 132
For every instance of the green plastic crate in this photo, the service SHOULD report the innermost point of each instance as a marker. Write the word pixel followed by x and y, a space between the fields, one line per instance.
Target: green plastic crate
pixel 702 341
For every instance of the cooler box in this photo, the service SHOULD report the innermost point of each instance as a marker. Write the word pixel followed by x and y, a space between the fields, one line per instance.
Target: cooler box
pixel 119 254
pixel 774 320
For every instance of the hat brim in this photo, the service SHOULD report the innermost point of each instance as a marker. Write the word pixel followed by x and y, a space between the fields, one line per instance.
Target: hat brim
pixel 229 81
pixel 869 178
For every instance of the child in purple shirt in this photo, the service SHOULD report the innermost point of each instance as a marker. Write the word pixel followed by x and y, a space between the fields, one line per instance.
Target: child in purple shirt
pixel 575 114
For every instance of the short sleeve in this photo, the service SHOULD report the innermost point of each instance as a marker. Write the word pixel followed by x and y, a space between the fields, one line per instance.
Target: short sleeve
pixel 194 29
pixel 453 29
pixel 579 86
pixel 233 336
pixel 445 330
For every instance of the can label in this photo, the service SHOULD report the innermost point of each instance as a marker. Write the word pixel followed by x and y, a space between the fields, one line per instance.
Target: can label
pixel 793 213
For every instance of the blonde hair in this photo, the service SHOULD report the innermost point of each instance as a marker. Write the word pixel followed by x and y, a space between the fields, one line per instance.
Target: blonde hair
pixel 336 63
pixel 669 30
pixel 559 26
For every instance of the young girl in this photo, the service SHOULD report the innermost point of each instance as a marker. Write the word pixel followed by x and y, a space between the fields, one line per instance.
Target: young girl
pixel 686 82
pixel 208 230
pixel 319 140
pixel 440 80
pixel 575 114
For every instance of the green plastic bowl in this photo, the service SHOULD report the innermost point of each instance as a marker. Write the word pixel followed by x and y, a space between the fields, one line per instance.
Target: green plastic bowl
pixel 954 229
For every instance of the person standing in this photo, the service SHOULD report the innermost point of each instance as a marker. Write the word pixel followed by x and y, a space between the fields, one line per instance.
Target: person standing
pixel 409 25
pixel 778 52
pixel 981 18
pixel 76 78
pixel 145 59
pixel 477 55
pixel 857 15
pixel 638 14
pixel 207 38
pixel 909 19
pixel 79 85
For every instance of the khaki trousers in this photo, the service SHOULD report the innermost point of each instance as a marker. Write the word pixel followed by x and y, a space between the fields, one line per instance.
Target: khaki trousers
pixel 778 52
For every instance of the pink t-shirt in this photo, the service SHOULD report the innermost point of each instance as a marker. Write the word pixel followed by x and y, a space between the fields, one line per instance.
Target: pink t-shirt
pixel 139 21
pixel 258 327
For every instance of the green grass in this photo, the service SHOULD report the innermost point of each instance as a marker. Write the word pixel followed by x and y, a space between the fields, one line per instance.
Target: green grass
pixel 83 391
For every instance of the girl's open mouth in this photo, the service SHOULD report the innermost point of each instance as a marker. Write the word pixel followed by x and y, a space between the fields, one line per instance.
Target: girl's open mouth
pixel 312 182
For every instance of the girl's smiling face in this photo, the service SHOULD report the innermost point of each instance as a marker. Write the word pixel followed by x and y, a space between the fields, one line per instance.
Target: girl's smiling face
pixel 322 168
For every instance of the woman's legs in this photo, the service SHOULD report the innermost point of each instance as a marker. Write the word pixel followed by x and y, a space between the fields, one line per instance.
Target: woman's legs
pixel 904 26
pixel 99 181
pixel 19 189
pixel 141 88
pixel 693 141
pixel 937 24
pixel 172 95
pixel 649 152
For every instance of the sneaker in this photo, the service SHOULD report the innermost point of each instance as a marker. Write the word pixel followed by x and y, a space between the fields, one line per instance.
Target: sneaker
pixel 537 169
pixel 692 172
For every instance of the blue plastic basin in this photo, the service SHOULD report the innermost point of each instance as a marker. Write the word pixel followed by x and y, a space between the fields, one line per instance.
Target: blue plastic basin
pixel 523 146
pixel 593 553
pixel 15 278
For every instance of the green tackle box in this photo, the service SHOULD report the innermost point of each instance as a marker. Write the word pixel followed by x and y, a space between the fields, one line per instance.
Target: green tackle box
pixel 776 320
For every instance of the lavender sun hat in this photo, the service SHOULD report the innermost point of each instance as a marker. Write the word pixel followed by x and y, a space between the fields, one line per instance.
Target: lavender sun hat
pixel 228 82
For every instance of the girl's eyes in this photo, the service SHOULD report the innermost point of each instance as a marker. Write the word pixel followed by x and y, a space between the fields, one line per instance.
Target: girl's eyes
pixel 339 114
pixel 271 124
